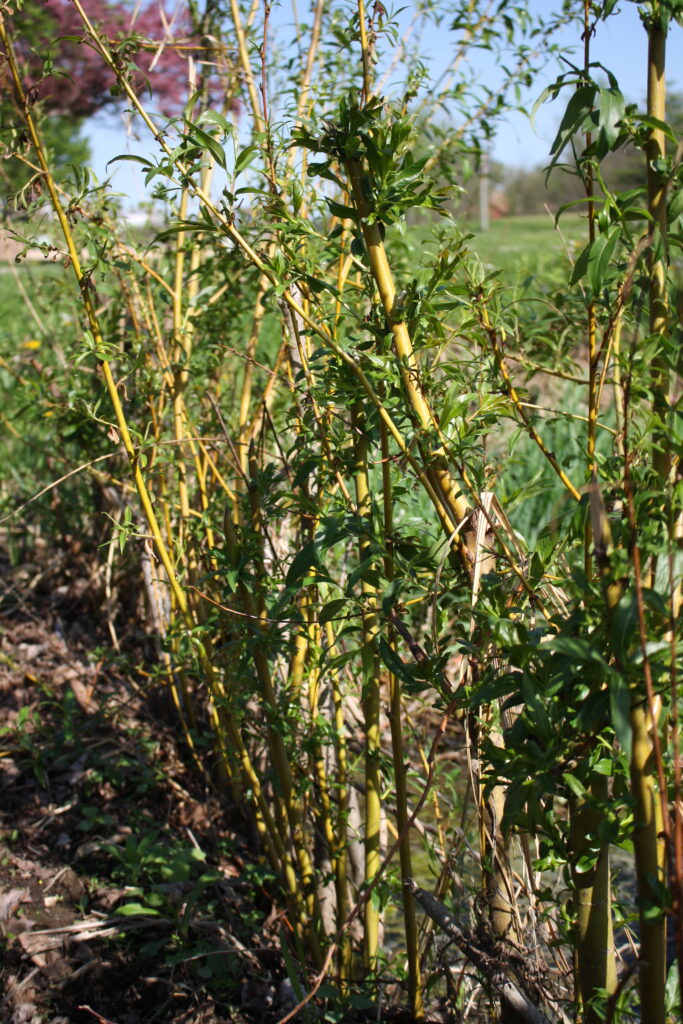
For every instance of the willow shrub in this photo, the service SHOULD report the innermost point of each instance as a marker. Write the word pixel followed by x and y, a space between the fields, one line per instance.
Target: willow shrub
pixel 361 540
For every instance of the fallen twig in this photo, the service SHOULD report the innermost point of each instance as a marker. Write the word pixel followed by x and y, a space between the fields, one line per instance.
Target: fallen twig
pixel 518 1000
pixel 367 892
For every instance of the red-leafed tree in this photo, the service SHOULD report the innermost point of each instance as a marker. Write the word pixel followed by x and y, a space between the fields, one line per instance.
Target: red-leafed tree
pixel 79 83
pixel 70 82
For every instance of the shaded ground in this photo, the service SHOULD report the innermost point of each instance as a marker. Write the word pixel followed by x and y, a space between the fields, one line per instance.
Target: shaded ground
pixel 131 892
pixel 126 891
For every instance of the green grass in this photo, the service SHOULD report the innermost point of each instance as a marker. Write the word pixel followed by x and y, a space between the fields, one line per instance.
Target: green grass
pixel 529 245
pixel 17 323
pixel 519 248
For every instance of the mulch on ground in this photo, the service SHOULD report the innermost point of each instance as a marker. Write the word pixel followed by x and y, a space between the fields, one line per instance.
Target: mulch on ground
pixel 96 795
pixel 131 891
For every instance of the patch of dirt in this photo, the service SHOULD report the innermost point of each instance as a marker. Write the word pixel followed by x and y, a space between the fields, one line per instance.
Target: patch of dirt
pixel 130 890
pixel 100 812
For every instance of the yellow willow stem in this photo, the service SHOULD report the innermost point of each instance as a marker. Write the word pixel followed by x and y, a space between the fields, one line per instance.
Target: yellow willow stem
pixel 436 482
pixel 266 399
pixel 313 640
pixel 287 801
pixel 217 475
pixel 647 828
pixel 648 817
pixel 167 374
pixel 365 53
pixel 276 850
pixel 247 379
pixel 617 386
pixel 656 201
pixel 295 336
pixel 450 504
pixel 343 268
pixel 179 355
pixel 497 885
pixel 333 839
pixel 370 693
pixel 337 841
pixel 130 253
pixel 264 280
pixel 591 316
pixel 297 665
pixel 202 464
pixel 226 729
pixel 397 750
pixel 178 676
pixel 245 63
pixel 650 851
pixel 519 406
pixel 182 351
pixel 305 83
pixel 438 817
pixel 93 323
pixel 183 330
pixel 595 964
pixel 342 791
pixel 381 272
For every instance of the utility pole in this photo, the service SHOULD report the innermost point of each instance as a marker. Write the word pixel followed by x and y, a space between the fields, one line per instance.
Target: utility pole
pixel 484 193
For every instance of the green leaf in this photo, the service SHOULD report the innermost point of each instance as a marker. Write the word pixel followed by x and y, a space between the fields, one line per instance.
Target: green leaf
pixel 611 112
pixel 341 211
pixel 207 141
pixel 675 206
pixel 622 627
pixel 586 863
pixel 573 784
pixel 307 467
pixel 654 122
pixel 579 648
pixel 245 157
pixel 619 710
pixel 213 117
pixel 339 660
pixel 391 595
pixel 304 560
pixel 331 609
pixel 594 259
pixel 131 157
pixel 578 108
pixel 672 991
pixel 137 910
pixel 599 258
pixel 366 571
pixel 392 661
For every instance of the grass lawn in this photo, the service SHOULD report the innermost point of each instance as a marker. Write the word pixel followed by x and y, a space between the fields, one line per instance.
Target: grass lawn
pixel 17 322
pixel 519 247
pixel 530 245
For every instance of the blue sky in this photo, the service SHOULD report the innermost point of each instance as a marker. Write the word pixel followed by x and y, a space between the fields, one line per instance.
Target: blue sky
pixel 619 45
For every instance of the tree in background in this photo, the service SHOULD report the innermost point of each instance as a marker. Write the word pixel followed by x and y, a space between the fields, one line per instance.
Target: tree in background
pixel 67 82
pixel 531 190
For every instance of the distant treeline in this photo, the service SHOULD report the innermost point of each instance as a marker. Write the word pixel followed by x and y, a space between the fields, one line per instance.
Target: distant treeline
pixel 520 190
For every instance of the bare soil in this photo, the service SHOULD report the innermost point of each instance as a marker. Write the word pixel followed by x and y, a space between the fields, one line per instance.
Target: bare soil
pixel 99 810
pixel 131 891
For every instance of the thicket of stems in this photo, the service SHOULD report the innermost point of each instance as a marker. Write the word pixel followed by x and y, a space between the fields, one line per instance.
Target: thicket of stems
pixel 280 469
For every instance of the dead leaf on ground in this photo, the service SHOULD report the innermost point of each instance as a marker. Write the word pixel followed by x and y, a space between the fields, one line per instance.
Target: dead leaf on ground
pixel 10 901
